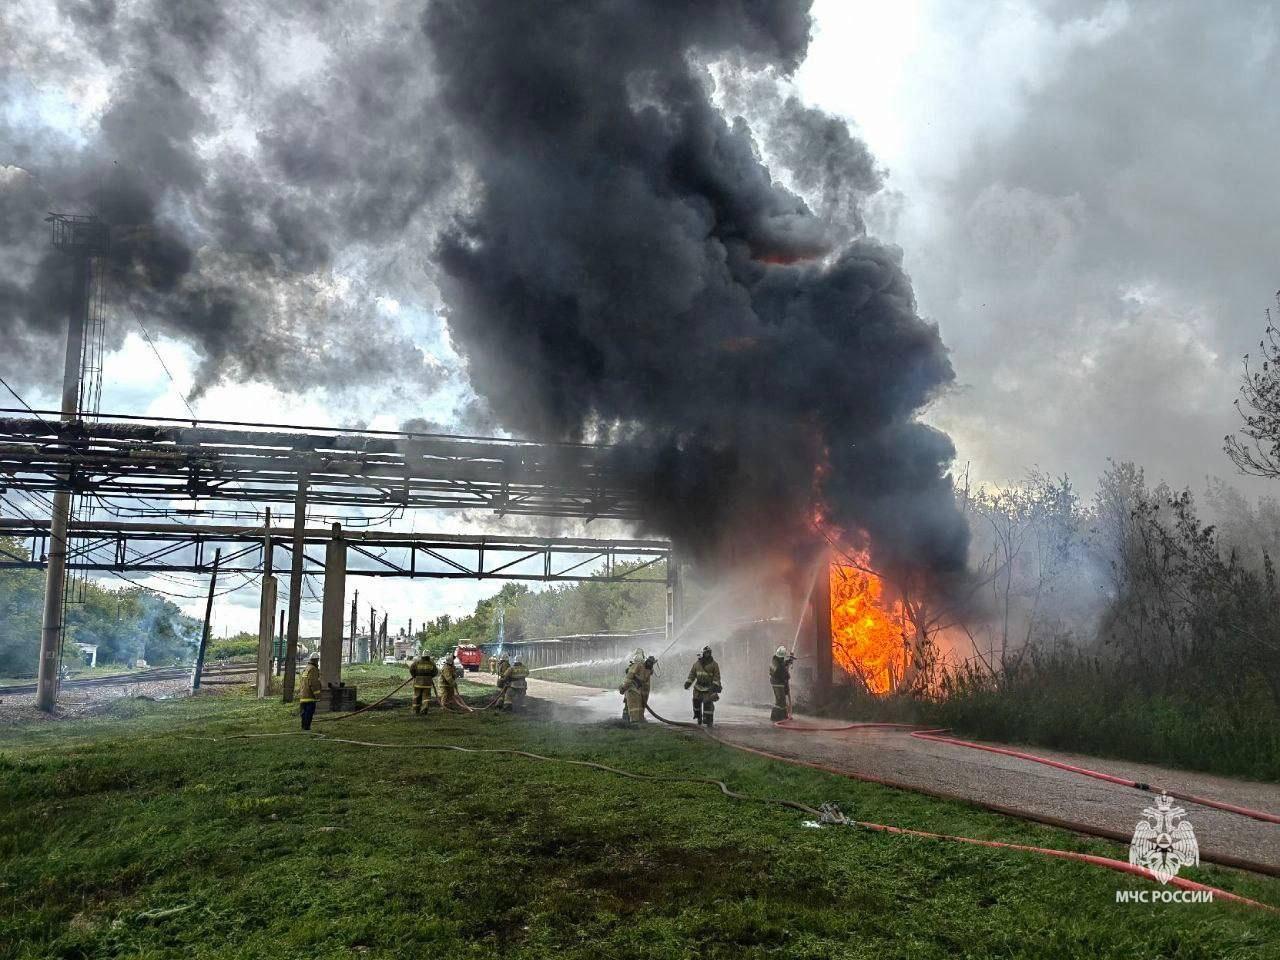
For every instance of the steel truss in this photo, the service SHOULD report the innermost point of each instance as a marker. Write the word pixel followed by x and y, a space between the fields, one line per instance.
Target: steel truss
pixel 128 457
pixel 174 548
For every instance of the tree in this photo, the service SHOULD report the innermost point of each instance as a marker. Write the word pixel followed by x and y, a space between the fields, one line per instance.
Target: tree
pixel 1255 449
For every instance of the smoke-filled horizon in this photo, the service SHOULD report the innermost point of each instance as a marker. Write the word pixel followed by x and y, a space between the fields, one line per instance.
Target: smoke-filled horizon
pixel 614 258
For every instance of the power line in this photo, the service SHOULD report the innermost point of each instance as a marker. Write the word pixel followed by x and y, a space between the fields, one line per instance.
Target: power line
pixel 164 366
pixel 30 409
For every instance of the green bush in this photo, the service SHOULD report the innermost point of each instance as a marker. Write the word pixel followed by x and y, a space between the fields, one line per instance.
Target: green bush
pixel 233 649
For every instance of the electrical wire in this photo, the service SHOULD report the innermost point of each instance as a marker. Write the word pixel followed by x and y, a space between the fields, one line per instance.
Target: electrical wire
pixel 164 366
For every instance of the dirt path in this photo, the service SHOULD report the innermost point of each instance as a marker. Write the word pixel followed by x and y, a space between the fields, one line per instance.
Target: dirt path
pixel 977 775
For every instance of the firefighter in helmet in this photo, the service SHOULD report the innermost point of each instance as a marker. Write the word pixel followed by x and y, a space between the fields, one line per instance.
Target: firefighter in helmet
pixel 309 695
pixel 504 662
pixel 514 684
pixel 423 670
pixel 704 677
pixel 780 680
pixel 635 686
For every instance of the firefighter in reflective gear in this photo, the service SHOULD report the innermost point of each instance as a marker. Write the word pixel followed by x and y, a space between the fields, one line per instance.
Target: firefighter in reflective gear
pixel 635 687
pixel 492 664
pixel 423 670
pixel 780 680
pixel 504 664
pixel 649 663
pixel 309 694
pixel 514 684
pixel 704 677
pixel 449 687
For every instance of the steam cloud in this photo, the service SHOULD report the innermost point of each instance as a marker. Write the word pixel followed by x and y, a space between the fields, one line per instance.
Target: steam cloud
pixel 616 258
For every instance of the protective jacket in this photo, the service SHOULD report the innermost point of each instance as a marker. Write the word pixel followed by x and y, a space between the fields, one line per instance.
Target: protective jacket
pixel 503 665
pixel 448 675
pixel 780 672
pixel 514 677
pixel 705 676
pixel 639 677
pixel 311 686
pixel 423 670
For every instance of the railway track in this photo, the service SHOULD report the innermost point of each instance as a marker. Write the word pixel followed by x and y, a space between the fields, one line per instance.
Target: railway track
pixel 149 675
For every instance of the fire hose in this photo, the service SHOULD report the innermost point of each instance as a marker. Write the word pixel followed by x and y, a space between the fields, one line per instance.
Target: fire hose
pixel 935 736
pixel 381 700
pixel 1120 866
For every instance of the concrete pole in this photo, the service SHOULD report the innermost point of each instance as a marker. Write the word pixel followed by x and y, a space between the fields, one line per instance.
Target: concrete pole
pixel 55 582
pixel 295 585
pixel 351 651
pixel 822 631
pixel 266 612
pixel 335 593
pixel 280 646
pixel 373 635
pixel 208 615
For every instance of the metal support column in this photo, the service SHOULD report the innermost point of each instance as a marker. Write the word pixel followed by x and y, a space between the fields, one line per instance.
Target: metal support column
pixel 295 585
pixel 331 621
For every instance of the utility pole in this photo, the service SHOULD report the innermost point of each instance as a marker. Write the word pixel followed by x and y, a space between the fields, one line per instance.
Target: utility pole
pixel 295 583
pixel 266 611
pixel 280 647
pixel 373 635
pixel 82 238
pixel 208 614
pixel 354 604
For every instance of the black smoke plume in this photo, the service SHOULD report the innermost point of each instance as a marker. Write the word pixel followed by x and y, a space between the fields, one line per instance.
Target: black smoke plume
pixel 630 271
pixel 617 260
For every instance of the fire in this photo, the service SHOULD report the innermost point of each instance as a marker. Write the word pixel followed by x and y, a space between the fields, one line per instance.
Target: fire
pixel 866 637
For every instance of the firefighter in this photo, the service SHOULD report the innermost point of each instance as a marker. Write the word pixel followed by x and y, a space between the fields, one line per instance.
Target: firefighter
pixel 780 680
pixel 449 686
pixel 310 692
pixel 492 664
pixel 514 685
pixel 704 677
pixel 635 687
pixel 423 670
pixel 503 665
pixel 650 663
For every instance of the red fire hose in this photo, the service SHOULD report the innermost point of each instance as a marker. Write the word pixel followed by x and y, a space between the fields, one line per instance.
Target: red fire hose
pixel 934 735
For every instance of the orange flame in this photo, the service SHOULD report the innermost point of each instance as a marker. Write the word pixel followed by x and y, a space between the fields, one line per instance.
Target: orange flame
pixel 866 637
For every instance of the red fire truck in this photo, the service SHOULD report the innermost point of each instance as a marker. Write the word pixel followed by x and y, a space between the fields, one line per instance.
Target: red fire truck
pixel 469 656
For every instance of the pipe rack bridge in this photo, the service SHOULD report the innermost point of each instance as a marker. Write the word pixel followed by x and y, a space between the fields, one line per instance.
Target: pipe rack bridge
pixel 159 458
pixel 100 545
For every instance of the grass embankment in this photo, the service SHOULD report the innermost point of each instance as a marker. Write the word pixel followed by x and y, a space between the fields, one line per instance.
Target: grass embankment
pixel 120 837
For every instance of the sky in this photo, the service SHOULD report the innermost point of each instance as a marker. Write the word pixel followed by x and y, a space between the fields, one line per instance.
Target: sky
pixel 1080 191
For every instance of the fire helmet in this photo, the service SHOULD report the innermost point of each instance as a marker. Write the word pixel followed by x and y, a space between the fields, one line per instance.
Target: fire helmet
pixel 638 656
pixel 706 653
pixel 315 658
pixel 780 652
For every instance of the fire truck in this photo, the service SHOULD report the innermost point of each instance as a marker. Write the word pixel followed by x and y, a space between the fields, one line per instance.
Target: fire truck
pixel 469 656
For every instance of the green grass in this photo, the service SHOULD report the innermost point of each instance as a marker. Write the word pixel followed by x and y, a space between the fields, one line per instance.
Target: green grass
pixel 119 837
